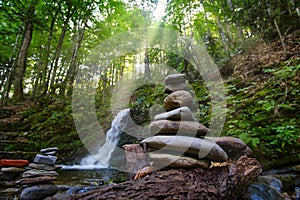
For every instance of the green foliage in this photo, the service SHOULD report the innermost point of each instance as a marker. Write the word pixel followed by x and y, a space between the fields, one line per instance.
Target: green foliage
pixel 265 114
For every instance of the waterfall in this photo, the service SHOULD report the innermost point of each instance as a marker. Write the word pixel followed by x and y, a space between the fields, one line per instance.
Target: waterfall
pixel 101 158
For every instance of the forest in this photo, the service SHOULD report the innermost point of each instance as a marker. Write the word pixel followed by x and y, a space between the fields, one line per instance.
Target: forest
pixel 54 51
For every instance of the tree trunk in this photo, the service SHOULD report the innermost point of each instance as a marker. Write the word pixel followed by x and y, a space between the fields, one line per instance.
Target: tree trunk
pixel 21 61
pixel 229 181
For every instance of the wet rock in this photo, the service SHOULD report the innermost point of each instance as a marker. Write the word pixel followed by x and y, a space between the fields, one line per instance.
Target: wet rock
pixel 183 114
pixel 7 176
pixel 175 87
pixel 36 172
pixel 13 163
pixel 168 127
pixel 262 191
pixel 173 161
pixel 272 181
pixel 38 192
pixel 13 170
pixel 45 166
pixel 194 147
pixel 80 190
pixel 42 159
pixel 9 193
pixel 174 79
pixel 35 180
pixel 179 99
pixel 234 147
pixel 51 149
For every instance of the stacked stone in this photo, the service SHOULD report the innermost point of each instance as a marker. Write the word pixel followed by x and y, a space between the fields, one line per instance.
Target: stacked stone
pixel 177 131
pixel 37 181
pixel 10 171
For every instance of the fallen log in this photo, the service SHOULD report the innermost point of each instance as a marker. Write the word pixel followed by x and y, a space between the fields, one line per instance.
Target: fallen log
pixel 227 181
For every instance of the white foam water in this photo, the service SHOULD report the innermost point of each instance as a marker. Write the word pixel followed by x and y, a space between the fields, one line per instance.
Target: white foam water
pixel 101 159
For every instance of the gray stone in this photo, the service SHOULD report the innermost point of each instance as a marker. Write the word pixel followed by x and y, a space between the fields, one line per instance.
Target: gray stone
pixel 234 147
pixel 173 161
pixel 42 159
pixel 175 87
pixel 272 181
pixel 49 149
pixel 194 147
pixel 168 127
pixel 175 78
pixel 38 192
pixel 36 172
pixel 51 153
pixel 13 170
pixel 35 180
pixel 10 183
pixel 179 99
pixel 183 114
pixel 45 166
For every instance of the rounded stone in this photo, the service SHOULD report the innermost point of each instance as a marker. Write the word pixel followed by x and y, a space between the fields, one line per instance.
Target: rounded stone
pixel 179 99
pixel 38 192
pixel 175 78
pixel 194 147
pixel 183 114
pixel 168 127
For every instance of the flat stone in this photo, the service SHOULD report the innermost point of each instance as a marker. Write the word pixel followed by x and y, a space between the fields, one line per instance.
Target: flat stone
pixel 10 191
pixel 13 163
pixel 234 147
pixel 35 180
pixel 36 172
pixel 183 114
pixel 42 159
pixel 13 170
pixel 168 127
pixel 179 99
pixel 10 183
pixel 173 161
pixel 194 147
pixel 38 192
pixel 51 153
pixel 175 78
pixel 49 149
pixel 44 166
pixel 175 87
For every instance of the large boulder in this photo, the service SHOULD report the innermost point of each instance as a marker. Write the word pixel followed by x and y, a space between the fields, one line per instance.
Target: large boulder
pixel 175 79
pixel 194 147
pixel 162 160
pixel 168 127
pixel 183 114
pixel 179 99
pixel 234 147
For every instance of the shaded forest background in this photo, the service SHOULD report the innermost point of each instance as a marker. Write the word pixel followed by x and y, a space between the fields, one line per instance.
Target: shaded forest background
pixel 255 44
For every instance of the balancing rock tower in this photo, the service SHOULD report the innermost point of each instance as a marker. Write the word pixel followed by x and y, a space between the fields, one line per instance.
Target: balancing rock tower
pixel 179 140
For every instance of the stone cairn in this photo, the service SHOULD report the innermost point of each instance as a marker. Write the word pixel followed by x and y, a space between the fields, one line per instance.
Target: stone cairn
pixel 35 179
pixel 177 131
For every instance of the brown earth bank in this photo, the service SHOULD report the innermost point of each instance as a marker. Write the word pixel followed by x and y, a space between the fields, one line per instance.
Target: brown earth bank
pixel 225 181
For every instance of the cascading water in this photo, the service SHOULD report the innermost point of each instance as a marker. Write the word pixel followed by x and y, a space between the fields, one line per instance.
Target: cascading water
pixel 103 154
pixel 102 157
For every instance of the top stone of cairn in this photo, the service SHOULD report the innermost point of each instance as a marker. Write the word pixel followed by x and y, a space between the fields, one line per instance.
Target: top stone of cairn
pixel 175 79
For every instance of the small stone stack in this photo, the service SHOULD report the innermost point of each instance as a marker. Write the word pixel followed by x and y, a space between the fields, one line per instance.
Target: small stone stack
pixel 38 179
pixel 177 131
pixel 10 171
